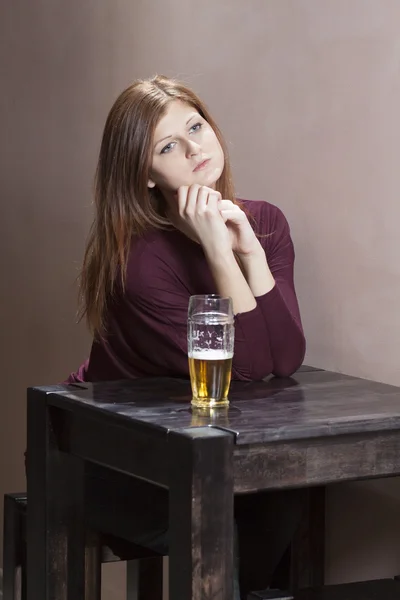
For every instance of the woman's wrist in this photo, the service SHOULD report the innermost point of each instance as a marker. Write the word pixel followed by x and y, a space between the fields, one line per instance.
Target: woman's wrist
pixel 256 253
pixel 256 270
pixel 218 253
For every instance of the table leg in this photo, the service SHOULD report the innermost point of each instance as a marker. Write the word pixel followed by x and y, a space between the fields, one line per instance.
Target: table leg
pixel 55 513
pixel 201 514
pixel 93 566
pixel 308 546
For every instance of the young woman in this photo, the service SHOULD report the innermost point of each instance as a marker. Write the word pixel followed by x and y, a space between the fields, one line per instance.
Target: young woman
pixel 167 226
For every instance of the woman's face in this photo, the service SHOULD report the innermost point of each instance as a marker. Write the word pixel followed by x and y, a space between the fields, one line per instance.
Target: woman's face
pixel 185 150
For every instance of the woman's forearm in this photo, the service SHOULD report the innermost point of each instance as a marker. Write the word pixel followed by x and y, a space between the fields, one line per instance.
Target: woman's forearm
pixel 230 281
pixel 257 272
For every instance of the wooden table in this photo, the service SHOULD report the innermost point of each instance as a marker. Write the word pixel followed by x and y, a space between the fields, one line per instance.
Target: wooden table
pixel 315 428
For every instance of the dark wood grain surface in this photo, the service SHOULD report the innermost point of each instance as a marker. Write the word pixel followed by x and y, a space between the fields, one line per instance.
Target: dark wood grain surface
pixel 312 429
pixel 310 404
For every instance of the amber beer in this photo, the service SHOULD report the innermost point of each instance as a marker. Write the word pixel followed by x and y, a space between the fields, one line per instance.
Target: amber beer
pixel 210 376
pixel 211 336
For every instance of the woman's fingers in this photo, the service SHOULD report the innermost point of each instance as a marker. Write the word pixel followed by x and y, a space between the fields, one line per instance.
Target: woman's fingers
pixel 182 199
pixel 231 212
pixel 192 198
pixel 199 211
pixel 225 204
pixel 202 200
pixel 213 202
pixel 196 200
pixel 230 215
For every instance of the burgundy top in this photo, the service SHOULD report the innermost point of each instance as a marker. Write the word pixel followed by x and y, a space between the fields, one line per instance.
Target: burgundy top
pixel 146 326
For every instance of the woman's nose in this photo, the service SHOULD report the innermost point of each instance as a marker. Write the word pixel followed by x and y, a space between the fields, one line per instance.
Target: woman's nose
pixel 192 149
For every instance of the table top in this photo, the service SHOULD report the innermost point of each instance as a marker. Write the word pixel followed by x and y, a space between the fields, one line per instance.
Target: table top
pixel 312 403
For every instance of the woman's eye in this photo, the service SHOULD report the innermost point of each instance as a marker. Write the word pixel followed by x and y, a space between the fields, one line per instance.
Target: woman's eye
pixel 168 148
pixel 196 127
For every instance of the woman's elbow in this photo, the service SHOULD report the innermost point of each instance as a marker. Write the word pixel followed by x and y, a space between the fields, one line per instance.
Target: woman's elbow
pixel 254 371
pixel 286 365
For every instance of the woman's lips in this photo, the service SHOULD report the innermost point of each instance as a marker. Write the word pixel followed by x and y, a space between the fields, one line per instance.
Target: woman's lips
pixel 201 165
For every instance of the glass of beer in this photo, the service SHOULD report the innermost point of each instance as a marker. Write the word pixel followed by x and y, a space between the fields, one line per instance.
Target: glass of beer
pixel 211 336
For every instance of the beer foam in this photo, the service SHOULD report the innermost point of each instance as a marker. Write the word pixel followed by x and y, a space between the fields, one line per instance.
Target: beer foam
pixel 210 354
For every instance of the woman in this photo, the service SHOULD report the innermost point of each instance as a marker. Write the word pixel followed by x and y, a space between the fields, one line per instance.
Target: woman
pixel 168 226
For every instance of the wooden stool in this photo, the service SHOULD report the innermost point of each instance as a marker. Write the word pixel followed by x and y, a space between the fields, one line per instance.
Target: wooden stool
pixel 144 568
pixel 301 567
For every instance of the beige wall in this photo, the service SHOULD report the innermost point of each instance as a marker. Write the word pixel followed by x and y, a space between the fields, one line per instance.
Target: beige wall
pixel 308 93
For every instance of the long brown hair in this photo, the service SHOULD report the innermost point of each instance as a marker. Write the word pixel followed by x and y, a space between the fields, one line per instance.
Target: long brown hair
pixel 124 205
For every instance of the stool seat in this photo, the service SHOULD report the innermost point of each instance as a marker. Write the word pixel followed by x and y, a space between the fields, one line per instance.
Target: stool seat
pixel 379 589
pixel 270 595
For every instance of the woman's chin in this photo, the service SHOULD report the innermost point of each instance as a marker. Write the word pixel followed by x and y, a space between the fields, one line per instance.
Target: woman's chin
pixel 210 179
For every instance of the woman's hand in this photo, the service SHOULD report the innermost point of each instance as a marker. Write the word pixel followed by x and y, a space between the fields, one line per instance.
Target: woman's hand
pixel 244 241
pixel 218 225
pixel 223 230
pixel 248 250
pixel 198 216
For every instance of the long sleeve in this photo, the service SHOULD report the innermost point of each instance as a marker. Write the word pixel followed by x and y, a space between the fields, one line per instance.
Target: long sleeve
pixel 155 309
pixel 280 307
pixel 147 322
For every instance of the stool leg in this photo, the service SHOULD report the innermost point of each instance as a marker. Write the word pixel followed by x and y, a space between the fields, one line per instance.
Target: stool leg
pixel 11 549
pixel 23 571
pixel 144 579
pixel 92 567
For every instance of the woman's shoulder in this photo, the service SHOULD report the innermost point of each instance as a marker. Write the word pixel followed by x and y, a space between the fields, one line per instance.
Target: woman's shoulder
pixel 149 249
pixel 267 216
pixel 159 255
